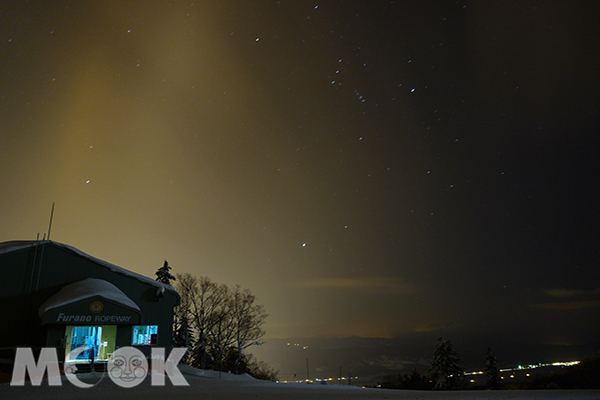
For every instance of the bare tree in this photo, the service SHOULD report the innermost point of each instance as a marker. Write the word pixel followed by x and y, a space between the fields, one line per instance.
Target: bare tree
pixel 248 319
pixel 202 299
pixel 261 370
pixel 222 320
pixel 222 331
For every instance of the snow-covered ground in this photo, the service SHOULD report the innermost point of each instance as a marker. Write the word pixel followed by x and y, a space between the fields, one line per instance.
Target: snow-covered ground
pixel 207 385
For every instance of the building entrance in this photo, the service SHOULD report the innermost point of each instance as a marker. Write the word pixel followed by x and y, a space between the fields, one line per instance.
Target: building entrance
pixel 100 341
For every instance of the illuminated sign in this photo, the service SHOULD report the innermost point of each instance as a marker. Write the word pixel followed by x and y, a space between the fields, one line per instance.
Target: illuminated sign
pixel 62 317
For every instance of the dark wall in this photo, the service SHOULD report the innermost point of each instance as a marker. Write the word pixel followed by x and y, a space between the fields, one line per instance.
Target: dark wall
pixel 29 276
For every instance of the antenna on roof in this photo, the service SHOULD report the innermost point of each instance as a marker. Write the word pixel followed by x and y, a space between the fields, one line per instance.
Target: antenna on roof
pixel 51 216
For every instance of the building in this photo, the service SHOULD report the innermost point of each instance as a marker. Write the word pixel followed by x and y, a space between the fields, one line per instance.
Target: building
pixel 54 295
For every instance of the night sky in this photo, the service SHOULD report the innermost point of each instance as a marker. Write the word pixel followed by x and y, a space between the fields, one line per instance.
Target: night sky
pixel 369 168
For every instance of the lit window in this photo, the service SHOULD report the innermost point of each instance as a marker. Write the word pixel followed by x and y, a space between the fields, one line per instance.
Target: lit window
pixel 145 335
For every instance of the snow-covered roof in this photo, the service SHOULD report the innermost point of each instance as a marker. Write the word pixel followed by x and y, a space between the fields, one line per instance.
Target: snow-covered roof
pixel 85 289
pixel 6 247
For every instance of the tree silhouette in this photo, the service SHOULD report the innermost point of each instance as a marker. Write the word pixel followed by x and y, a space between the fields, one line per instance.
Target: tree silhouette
pixel 183 336
pixel 163 275
pixel 224 322
pixel 445 367
pixel 494 381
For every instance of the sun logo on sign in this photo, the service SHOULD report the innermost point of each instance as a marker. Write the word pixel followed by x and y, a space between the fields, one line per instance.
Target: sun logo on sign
pixel 96 307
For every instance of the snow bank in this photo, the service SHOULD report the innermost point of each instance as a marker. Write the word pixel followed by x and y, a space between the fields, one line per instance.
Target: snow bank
pixel 84 289
pixel 232 387
pixel 186 370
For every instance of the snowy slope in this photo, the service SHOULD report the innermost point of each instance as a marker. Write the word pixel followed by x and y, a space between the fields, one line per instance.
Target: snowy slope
pixel 205 385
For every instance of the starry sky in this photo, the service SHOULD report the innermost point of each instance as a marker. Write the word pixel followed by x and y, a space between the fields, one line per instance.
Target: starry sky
pixel 369 168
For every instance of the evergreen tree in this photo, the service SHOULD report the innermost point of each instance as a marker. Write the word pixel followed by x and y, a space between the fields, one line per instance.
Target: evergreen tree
pixel 445 367
pixel 494 381
pixel 183 337
pixel 163 275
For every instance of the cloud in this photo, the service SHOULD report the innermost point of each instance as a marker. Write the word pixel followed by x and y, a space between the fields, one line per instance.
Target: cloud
pixel 436 326
pixel 561 293
pixel 371 285
pixel 573 305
